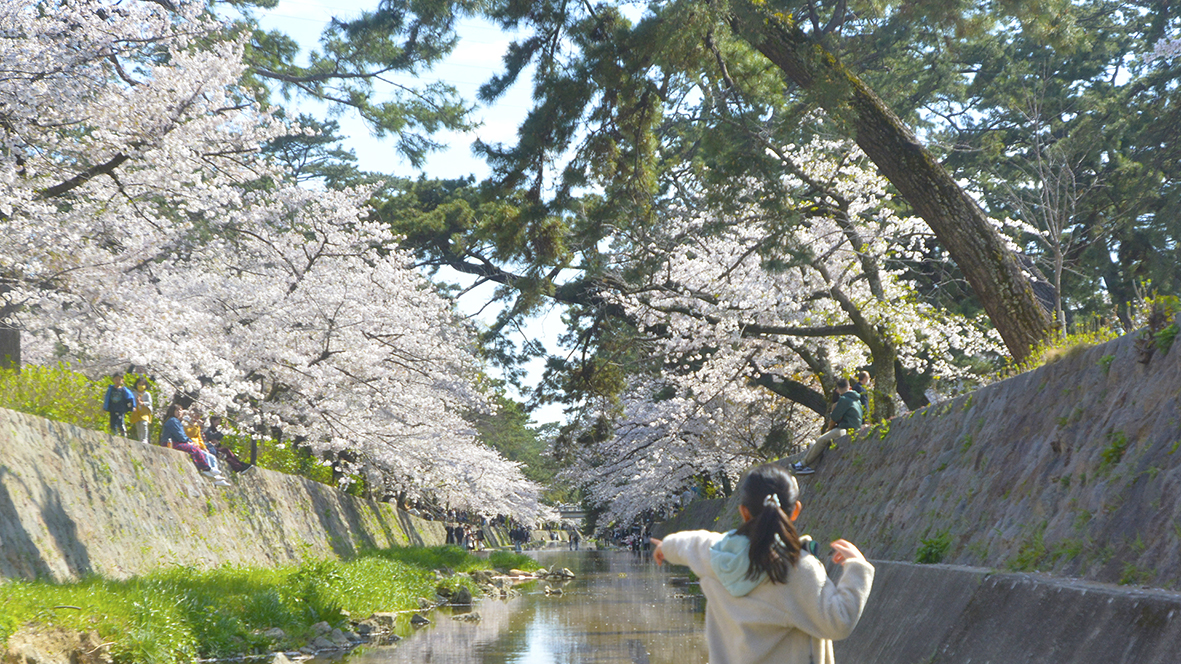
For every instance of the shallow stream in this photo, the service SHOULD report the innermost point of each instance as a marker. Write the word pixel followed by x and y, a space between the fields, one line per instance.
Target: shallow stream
pixel 619 608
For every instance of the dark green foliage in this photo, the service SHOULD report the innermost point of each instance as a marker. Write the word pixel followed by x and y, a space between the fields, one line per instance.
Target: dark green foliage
pixel 1105 362
pixel 318 157
pixel 1032 554
pixel 511 432
pixel 1161 327
pixel 1051 135
pixel 1114 452
pixel 397 38
pixel 932 549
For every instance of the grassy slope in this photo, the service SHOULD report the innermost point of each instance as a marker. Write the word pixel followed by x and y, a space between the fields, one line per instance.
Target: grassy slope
pixel 176 615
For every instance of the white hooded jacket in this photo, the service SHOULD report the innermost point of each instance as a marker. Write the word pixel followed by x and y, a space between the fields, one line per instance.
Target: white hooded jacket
pixel 760 622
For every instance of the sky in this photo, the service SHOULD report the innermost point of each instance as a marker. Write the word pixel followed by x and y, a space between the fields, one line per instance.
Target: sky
pixel 476 59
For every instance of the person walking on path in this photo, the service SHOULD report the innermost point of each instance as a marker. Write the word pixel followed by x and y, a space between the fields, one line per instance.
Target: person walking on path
pixel 768 598
pixel 141 418
pixel 118 401
pixel 846 414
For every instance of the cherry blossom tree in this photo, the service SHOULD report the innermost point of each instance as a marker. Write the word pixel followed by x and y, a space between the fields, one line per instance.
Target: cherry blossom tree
pixel 770 301
pixel 1165 49
pixel 140 224
pixel 665 440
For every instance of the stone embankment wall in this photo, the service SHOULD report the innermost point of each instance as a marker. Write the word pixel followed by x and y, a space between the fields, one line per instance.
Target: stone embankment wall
pixel 946 614
pixel 1073 468
pixel 74 501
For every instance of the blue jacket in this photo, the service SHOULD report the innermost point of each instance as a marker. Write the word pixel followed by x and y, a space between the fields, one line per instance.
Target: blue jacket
pixel 126 405
pixel 174 432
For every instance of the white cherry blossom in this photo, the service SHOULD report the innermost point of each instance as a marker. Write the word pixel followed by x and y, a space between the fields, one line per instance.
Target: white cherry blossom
pixel 139 224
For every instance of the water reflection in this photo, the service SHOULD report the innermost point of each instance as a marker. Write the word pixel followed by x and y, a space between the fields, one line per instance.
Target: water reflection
pixel 621 608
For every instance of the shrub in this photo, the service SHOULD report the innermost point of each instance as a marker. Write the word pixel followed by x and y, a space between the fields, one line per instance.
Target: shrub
pixel 56 393
pixel 1114 452
pixel 1061 347
pixel 1160 325
pixel 932 550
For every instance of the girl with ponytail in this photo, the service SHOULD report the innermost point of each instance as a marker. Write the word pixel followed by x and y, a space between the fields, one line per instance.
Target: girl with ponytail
pixel 769 599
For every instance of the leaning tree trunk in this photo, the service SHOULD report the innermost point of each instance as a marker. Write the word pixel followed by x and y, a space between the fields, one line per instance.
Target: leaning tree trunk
pixel 958 222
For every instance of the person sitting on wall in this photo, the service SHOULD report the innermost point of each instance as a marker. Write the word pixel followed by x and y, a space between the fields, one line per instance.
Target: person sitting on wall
pixel 213 441
pixel 194 426
pixel 846 414
pixel 173 435
pixel 860 385
pixel 118 401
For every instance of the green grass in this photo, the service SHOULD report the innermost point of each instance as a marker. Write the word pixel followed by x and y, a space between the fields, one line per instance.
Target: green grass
pixel 1059 348
pixel 176 615
pixel 1131 575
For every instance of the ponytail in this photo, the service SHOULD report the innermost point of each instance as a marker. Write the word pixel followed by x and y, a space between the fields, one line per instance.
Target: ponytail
pixel 774 543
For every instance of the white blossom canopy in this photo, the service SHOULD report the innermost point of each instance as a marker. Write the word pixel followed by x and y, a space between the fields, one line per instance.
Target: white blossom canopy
pixel 745 295
pixel 139 224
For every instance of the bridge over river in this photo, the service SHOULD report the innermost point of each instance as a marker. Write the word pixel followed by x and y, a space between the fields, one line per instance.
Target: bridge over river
pixel 572 513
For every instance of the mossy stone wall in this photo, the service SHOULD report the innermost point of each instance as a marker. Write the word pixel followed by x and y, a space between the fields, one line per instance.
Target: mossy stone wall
pixel 1073 468
pixel 74 502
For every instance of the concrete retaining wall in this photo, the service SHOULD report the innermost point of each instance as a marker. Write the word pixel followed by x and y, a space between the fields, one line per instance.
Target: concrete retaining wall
pixel 931 614
pixel 74 501
pixel 1074 469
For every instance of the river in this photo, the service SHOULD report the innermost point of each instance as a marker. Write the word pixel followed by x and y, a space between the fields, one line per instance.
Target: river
pixel 619 608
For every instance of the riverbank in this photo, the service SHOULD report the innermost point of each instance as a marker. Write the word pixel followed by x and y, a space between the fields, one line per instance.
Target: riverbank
pixel 181 614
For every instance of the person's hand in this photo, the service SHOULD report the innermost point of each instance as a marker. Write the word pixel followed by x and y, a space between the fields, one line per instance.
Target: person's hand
pixel 657 552
pixel 843 550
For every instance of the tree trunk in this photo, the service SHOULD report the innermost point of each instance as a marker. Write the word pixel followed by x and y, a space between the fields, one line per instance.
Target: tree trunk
pixel 885 404
pixel 10 348
pixel 912 386
pixel 794 391
pixel 958 222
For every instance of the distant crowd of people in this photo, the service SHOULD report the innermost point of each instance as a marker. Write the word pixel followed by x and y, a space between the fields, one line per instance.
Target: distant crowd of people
pixel 181 430
pixel 466 536
pixel 635 537
pixel 520 536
